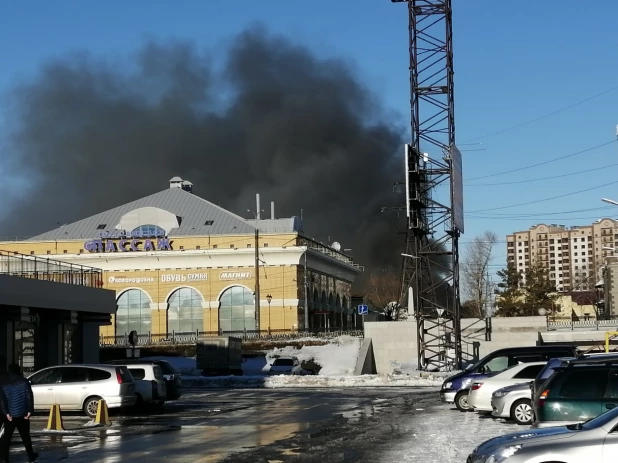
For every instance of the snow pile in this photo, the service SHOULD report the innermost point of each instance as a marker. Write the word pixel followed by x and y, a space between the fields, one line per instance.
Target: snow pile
pixel 411 369
pixel 288 381
pixel 337 358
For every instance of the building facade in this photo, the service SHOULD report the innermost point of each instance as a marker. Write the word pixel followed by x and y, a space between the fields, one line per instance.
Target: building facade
pixel 575 256
pixel 180 264
pixel 50 312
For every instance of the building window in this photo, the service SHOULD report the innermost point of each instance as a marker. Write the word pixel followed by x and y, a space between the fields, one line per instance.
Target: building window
pixel 209 222
pixel 185 312
pixel 32 253
pixel 237 310
pixel 198 247
pixel 48 252
pixel 265 245
pixel 231 246
pixel 133 313
pixel 248 245
pixel 182 248
pixel 64 252
pixel 214 246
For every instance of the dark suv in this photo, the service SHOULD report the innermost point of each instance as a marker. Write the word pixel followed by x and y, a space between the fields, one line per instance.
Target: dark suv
pixel 579 389
pixel 173 378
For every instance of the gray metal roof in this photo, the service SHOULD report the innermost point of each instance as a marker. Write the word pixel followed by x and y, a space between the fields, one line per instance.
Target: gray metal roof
pixel 193 210
pixel 287 225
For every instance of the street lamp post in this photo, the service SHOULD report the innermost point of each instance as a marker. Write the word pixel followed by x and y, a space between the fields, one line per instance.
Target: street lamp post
pixel 269 298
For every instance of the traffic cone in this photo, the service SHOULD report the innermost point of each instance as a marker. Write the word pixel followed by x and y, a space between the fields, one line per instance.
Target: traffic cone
pixel 54 423
pixel 102 417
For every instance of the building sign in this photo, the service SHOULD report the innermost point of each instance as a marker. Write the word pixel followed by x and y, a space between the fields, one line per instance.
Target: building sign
pixel 131 280
pixel 123 242
pixel 182 278
pixel 235 276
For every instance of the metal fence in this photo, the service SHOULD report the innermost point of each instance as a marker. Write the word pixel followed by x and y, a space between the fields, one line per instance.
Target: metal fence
pixel 573 324
pixel 178 339
pixel 38 268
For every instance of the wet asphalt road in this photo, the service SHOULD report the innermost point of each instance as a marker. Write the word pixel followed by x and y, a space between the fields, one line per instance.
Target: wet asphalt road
pixel 257 425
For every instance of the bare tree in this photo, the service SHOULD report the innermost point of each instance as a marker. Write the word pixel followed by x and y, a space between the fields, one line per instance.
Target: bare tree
pixel 475 271
pixel 383 294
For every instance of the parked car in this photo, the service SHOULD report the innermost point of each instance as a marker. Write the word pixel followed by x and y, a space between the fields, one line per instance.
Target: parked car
pixel 579 390
pixel 456 388
pixel 150 387
pixel 80 387
pixel 481 391
pixel 173 378
pixel 594 441
pixel 284 366
pixel 513 402
pixel 552 364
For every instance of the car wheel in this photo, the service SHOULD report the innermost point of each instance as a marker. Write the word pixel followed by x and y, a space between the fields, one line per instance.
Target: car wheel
pixel 461 401
pixel 91 406
pixel 521 412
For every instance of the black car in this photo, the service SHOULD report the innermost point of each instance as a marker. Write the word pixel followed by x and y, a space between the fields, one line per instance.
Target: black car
pixel 173 378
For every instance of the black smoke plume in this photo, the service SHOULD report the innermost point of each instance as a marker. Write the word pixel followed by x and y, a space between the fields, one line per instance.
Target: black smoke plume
pixel 88 134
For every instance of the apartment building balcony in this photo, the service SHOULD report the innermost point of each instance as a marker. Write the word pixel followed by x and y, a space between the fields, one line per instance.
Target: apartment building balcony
pixel 38 268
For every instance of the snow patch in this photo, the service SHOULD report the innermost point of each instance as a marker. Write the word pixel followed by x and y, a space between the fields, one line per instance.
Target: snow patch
pixel 337 358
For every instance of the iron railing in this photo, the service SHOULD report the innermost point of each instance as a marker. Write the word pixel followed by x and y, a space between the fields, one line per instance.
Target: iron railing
pixel 573 324
pixel 188 338
pixel 39 268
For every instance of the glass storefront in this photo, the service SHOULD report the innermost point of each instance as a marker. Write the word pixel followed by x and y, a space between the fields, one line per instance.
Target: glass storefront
pixel 133 313
pixel 185 312
pixel 237 310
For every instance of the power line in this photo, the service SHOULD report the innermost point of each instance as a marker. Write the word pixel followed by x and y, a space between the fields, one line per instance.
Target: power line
pixel 546 199
pixel 545 116
pixel 520 218
pixel 544 162
pixel 545 178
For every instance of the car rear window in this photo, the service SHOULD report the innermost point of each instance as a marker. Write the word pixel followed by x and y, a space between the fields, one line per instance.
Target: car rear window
pixel 125 374
pixel 584 383
pixel 158 372
pixel 283 363
pixel 167 368
pixel 95 374
pixel 529 372
pixel 138 373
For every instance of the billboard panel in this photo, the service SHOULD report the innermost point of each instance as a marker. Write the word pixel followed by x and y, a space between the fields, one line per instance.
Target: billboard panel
pixel 457 188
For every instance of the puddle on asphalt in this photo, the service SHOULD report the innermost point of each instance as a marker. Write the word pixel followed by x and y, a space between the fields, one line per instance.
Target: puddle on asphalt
pixel 357 414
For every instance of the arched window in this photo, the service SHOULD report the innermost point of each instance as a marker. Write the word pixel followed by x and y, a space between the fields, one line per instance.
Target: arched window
pixel 237 310
pixel 133 312
pixel 148 231
pixel 185 312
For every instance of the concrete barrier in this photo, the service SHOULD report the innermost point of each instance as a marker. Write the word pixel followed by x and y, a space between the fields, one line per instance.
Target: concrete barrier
pixel 366 363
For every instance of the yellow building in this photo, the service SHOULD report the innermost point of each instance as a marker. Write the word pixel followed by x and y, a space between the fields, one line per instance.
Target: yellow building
pixel 180 264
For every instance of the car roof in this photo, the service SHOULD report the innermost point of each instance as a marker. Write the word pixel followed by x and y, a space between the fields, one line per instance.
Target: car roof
pixel 527 349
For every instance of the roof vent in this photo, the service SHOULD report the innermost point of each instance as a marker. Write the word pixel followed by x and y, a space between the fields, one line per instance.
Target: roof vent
pixel 175 182
pixel 187 186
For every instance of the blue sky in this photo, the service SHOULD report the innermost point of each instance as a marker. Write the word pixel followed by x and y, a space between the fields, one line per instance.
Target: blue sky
pixel 514 62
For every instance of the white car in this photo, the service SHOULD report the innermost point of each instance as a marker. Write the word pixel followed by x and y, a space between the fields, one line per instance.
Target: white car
pixel 150 387
pixel 479 398
pixel 284 366
pixel 514 402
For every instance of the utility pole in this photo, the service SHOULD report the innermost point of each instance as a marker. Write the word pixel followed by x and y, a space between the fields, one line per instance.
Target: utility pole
pixel 257 261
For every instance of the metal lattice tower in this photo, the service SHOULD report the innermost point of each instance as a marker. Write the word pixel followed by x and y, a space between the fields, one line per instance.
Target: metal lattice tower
pixel 434 196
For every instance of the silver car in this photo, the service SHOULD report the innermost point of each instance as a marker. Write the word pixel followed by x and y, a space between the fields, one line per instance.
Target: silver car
pixel 80 387
pixel 595 441
pixel 514 402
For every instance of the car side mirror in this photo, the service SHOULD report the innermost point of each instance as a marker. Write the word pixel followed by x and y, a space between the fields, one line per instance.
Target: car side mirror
pixel 481 370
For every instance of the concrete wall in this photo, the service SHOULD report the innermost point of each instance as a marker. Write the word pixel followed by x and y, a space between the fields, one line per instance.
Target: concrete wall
pixel 366 364
pixel 396 342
